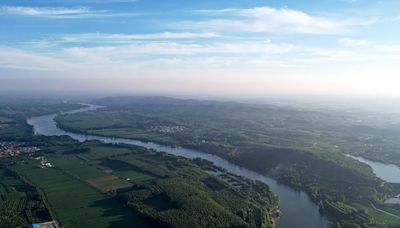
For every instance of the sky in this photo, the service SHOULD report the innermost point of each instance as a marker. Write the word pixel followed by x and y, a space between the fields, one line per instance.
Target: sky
pixel 219 47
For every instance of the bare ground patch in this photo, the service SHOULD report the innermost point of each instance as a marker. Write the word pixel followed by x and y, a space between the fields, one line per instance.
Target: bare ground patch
pixel 108 183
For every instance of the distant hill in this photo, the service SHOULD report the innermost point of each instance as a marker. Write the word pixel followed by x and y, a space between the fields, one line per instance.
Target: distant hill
pixel 129 101
pixel 135 100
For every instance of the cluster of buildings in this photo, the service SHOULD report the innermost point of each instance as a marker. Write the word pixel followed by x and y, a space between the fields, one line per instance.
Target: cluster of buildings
pixel 51 224
pixel 11 149
pixel 43 162
pixel 167 129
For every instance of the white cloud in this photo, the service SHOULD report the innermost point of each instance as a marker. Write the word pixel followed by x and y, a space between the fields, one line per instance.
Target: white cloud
pixel 182 49
pixel 12 58
pixel 177 65
pixel 272 20
pixel 42 11
pixel 389 49
pixel 352 42
pixel 126 58
pixel 99 39
pixel 122 38
pixel 59 12
pixel 107 59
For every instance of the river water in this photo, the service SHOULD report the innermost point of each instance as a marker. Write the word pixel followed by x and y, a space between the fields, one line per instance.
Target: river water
pixel 298 209
pixel 387 172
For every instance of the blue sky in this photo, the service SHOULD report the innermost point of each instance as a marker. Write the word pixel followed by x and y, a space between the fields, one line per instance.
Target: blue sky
pixel 241 47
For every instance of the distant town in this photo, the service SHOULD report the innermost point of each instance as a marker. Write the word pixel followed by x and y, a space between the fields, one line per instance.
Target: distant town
pixel 167 129
pixel 12 149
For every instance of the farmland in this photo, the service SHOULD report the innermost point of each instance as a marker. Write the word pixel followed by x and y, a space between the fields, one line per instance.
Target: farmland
pixel 85 206
pixel 20 202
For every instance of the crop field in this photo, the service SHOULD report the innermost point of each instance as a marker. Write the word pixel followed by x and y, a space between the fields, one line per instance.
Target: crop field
pixel 125 170
pixel 143 166
pixel 85 206
pixel 88 172
pixel 109 183
pixel 98 152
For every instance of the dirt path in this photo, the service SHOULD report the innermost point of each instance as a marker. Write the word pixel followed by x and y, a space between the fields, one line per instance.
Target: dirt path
pixel 385 212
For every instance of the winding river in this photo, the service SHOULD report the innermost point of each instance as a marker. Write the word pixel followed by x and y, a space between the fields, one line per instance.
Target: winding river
pixel 298 209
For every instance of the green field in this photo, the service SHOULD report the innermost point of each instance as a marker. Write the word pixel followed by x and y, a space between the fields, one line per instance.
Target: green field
pixel 76 204
pixel 105 151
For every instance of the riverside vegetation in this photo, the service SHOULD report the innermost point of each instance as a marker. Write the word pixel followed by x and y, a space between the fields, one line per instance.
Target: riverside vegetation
pixel 303 149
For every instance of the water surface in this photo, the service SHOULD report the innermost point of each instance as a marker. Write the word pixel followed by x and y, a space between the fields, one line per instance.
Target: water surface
pixel 387 172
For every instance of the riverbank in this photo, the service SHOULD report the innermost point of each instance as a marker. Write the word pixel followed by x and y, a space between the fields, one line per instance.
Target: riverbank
pixel 296 205
pixel 324 208
pixel 301 170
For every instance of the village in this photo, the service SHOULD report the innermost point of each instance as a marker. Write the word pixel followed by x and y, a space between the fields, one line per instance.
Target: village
pixel 12 149
pixel 167 129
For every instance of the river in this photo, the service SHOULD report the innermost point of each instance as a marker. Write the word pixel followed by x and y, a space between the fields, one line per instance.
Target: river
pixel 298 209
pixel 387 172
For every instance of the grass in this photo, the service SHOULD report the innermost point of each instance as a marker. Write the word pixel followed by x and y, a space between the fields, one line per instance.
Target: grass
pixel 134 176
pixel 384 219
pixel 75 166
pixel 147 167
pixel 125 170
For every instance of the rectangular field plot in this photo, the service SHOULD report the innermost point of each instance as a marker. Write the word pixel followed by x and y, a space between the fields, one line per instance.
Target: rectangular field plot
pixel 126 170
pixel 90 173
pixel 76 167
pixel 108 183
pixel 77 204
pixel 97 152
pixel 139 162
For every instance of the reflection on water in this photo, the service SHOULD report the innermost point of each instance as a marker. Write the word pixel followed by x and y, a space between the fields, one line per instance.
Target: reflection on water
pixel 298 209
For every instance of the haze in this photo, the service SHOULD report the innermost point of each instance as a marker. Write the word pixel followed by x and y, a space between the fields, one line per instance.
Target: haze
pixel 245 48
